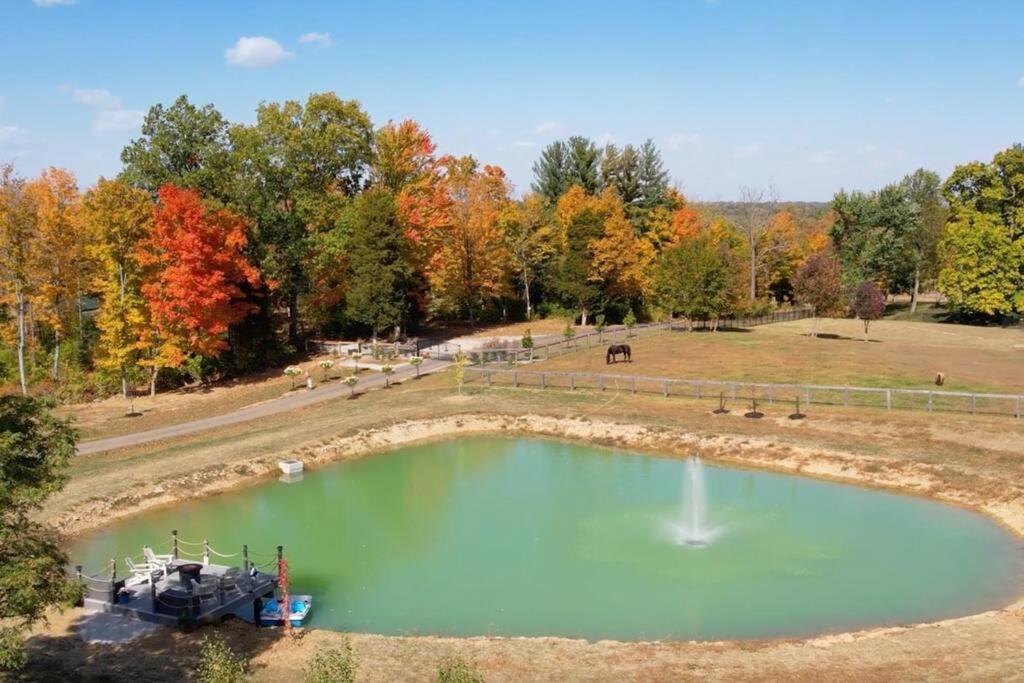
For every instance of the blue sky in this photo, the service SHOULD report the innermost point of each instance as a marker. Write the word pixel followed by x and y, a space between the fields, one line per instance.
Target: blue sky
pixel 808 96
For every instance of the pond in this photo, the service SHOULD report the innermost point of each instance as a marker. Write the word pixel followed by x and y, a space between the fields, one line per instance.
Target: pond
pixel 531 537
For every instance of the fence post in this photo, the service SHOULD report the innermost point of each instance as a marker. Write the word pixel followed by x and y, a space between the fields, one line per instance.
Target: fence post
pixel 734 391
pixel 846 398
pixel 600 382
pixel 930 395
pixel 698 389
pixel 572 381
pixel 974 403
pixel 888 399
pixel 174 543
pixel 807 395
pixel 632 384
pixel 515 379
pixel 543 381
pixel 664 388
pixel 489 373
pixel 1018 407
pixel 206 551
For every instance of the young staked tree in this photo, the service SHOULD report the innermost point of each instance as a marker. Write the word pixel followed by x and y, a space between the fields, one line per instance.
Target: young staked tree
pixel 34 452
pixel 19 243
pixel 757 206
pixel 818 282
pixel 62 269
pixel 378 269
pixel 117 217
pixel 195 271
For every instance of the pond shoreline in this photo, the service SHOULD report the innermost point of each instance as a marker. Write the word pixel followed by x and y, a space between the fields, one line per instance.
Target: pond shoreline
pixel 983 645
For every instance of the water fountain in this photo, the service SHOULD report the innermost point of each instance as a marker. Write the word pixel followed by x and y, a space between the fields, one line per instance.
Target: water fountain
pixel 692 528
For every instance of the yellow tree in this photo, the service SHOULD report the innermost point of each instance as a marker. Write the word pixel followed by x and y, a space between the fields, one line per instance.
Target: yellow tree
pixel 18 242
pixel 622 259
pixel 117 217
pixel 530 240
pixel 60 265
pixel 470 265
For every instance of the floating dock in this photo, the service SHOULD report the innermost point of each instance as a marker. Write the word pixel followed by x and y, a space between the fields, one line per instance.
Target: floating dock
pixel 177 590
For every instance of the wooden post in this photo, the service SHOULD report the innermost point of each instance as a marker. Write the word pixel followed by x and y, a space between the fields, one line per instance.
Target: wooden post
pixel 600 382
pixel 807 395
pixel 543 381
pixel 245 558
pixel 488 379
pixel 515 379
pixel 974 403
pixel 846 397
pixel 1018 407
pixel 888 399
pixel 113 581
pixel 572 381
pixel 632 384
pixel 206 551
pixel 698 389
pixel 664 388
pixel 174 539
pixel 930 395
pixel 734 391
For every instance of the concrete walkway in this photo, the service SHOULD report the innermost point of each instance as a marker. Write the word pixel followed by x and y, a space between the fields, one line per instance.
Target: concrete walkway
pixel 292 401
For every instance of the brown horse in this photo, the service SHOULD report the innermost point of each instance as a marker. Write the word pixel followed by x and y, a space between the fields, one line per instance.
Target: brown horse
pixel 613 352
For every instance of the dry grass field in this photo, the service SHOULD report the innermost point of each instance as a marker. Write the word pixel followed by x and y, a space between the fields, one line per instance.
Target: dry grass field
pixel 899 354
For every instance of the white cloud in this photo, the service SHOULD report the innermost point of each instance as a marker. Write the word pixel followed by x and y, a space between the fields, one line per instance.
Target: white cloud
pixel 93 97
pixel 316 38
pixel 684 140
pixel 51 3
pixel 545 127
pixel 9 134
pixel 116 120
pixel 112 116
pixel 747 151
pixel 256 52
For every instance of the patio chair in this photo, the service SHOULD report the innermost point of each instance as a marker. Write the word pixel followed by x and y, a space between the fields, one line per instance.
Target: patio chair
pixel 144 572
pixel 153 558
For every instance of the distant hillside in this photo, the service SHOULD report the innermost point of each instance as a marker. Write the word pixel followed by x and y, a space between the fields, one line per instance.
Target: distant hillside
pixel 802 211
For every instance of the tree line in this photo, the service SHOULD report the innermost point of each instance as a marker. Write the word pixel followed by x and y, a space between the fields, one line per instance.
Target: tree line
pixel 220 246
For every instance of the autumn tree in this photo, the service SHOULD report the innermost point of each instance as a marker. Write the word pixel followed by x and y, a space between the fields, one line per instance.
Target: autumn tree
pixel 692 279
pixel 818 283
pixel 530 240
pixel 196 269
pixel 867 304
pixel 117 217
pixel 378 269
pixel 19 242
pixel 621 259
pixel 471 265
pixel 60 264
pixel 580 222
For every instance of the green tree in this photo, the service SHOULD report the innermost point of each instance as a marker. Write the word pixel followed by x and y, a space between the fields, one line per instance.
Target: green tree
pixel 298 165
pixel 583 164
pixel 34 452
pixel 692 279
pixel 923 189
pixel 182 145
pixel 572 280
pixel 550 172
pixel 379 273
pixel 982 253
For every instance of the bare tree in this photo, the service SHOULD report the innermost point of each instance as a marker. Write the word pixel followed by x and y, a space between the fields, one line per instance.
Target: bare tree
pixel 757 206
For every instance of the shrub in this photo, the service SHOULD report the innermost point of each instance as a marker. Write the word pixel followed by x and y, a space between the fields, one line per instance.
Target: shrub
pixel 293 371
pixel 332 665
pixel 457 670
pixel 416 362
pixel 527 339
pixel 387 370
pixel 351 382
pixel 568 332
pixel 630 319
pixel 326 366
pixel 218 664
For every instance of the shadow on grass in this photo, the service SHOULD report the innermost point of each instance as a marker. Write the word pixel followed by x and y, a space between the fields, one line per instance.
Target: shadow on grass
pixel 162 655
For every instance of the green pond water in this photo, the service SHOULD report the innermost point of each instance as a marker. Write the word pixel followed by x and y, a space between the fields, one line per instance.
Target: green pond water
pixel 525 537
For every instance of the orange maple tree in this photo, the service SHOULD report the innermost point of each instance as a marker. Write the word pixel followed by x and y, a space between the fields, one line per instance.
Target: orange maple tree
pixel 196 271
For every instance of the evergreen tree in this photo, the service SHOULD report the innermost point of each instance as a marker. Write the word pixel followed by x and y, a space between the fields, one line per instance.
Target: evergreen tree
pixel 583 166
pixel 550 172
pixel 653 178
pixel 378 270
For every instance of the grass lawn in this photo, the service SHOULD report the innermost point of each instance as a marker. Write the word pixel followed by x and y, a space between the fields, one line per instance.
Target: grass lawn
pixel 899 354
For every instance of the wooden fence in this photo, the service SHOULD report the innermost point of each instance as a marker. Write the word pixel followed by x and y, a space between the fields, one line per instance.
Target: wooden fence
pixel 621 334
pixel 741 395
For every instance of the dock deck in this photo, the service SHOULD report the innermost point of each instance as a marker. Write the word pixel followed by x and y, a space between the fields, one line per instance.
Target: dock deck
pixel 171 598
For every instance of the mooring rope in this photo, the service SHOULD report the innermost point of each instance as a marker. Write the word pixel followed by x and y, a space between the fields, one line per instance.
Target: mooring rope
pixel 219 554
pixel 192 543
